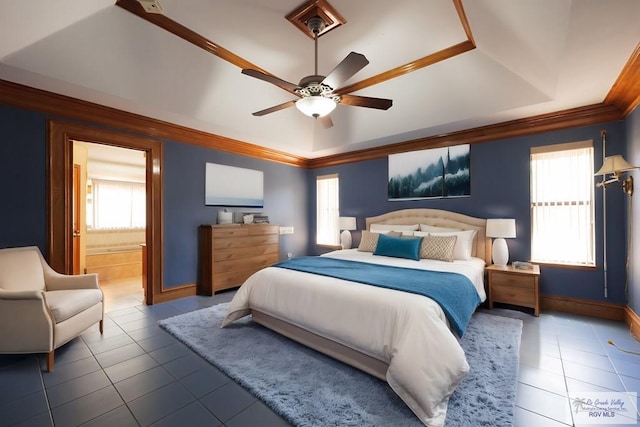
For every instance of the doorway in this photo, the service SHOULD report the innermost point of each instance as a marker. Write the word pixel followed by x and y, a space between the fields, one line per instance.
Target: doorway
pixel 60 198
pixel 109 221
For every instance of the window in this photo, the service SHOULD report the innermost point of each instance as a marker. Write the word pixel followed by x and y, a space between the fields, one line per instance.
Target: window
pixel 116 204
pixel 562 212
pixel 327 210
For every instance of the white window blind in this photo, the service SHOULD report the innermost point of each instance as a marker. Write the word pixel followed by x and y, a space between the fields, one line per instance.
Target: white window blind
pixel 117 204
pixel 562 212
pixel 327 210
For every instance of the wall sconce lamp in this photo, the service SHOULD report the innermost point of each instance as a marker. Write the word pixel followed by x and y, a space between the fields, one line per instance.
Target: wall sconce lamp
pixel 346 223
pixel 615 166
pixel 501 229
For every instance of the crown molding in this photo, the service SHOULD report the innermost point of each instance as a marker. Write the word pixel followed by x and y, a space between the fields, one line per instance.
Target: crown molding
pixel 20 96
pixel 58 105
pixel 625 92
pixel 63 106
pixel 582 116
pixel 622 99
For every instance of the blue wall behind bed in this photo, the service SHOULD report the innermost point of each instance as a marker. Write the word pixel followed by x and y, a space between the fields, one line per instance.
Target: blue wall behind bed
pixel 500 189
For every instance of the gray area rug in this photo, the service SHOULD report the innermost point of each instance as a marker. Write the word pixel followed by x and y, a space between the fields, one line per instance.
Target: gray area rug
pixel 310 389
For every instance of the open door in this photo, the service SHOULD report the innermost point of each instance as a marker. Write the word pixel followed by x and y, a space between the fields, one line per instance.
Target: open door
pixel 61 206
pixel 76 220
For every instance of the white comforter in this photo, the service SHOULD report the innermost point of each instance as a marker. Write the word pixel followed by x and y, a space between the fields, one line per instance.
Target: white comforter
pixel 409 332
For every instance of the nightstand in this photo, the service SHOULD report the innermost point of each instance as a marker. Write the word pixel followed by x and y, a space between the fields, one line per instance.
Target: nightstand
pixel 514 286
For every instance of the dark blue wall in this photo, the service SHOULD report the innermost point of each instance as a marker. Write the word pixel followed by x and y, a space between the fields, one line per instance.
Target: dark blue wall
pixel 23 215
pixel 23 193
pixel 500 188
pixel 184 210
pixel 633 156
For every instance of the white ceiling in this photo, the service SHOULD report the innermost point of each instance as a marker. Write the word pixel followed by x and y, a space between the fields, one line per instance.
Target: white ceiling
pixel 114 163
pixel 532 57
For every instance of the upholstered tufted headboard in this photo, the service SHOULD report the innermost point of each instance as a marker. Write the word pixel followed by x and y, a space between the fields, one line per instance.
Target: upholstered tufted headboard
pixel 441 218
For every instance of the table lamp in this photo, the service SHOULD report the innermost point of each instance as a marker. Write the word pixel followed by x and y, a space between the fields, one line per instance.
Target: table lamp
pixel 346 223
pixel 500 229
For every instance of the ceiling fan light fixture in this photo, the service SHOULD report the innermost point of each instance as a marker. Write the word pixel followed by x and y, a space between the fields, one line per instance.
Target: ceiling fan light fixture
pixel 316 92
pixel 316 105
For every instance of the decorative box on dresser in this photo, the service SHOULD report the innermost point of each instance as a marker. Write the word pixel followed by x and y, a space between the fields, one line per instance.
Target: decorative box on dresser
pixel 514 286
pixel 230 253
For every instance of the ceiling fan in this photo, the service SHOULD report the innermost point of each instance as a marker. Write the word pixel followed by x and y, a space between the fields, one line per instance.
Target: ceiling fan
pixel 317 93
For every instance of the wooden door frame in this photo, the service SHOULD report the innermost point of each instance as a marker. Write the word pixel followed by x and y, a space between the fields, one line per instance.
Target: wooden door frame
pixel 75 222
pixel 60 196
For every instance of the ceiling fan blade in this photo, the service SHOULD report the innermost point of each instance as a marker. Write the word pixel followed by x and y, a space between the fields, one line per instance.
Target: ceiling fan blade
pixel 275 108
pixel 350 65
pixel 326 121
pixel 289 87
pixel 365 101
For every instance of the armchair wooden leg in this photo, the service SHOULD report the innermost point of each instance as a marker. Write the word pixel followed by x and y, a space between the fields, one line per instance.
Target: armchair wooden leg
pixel 50 361
pixel 101 326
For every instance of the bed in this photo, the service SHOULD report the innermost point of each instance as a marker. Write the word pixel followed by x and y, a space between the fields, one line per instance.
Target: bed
pixel 408 340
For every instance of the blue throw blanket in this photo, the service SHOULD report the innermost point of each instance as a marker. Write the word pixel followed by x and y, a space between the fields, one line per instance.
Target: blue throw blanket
pixel 454 292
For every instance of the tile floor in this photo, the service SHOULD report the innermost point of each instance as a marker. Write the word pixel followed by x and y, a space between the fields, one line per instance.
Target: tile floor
pixel 137 374
pixel 122 293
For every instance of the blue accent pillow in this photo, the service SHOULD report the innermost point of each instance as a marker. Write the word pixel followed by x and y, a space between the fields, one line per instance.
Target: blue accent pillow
pixel 398 247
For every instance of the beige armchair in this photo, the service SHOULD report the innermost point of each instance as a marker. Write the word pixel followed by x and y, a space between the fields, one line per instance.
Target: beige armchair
pixel 40 309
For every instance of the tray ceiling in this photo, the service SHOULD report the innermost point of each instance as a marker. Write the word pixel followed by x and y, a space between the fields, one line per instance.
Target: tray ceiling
pixel 530 57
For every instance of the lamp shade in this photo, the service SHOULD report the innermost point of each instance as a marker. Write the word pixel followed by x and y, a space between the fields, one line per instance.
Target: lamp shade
pixel 347 223
pixel 505 228
pixel 614 164
pixel 315 105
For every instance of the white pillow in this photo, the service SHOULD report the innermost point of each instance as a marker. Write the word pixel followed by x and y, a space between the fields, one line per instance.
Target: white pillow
pixel 427 227
pixel 381 228
pixel 383 231
pixel 464 242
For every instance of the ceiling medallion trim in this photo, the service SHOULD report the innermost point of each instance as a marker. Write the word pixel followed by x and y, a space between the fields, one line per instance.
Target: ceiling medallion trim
pixel 320 8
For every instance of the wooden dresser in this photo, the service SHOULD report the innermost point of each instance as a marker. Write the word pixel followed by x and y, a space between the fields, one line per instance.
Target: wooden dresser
pixel 229 254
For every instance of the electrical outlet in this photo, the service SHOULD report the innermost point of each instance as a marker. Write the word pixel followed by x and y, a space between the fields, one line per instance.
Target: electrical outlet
pixel 286 230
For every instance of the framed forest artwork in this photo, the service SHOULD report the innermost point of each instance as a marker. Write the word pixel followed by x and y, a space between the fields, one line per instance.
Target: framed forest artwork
pixel 436 172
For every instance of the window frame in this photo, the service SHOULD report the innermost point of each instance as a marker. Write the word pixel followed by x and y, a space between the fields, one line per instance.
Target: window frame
pixel 589 259
pixel 330 218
